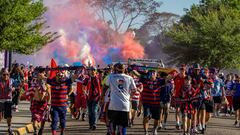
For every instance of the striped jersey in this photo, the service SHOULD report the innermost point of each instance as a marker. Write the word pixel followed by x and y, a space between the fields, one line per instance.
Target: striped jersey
pixel 151 92
pixel 36 85
pixel 59 91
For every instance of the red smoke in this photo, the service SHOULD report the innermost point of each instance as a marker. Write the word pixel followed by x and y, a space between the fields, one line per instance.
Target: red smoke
pixel 84 38
pixel 131 48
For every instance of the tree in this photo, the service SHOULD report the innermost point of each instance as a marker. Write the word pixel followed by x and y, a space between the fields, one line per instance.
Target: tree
pixel 124 14
pixel 151 34
pixel 22 27
pixel 208 34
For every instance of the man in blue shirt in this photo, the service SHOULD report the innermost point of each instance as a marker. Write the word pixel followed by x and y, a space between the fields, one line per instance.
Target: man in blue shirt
pixel 217 92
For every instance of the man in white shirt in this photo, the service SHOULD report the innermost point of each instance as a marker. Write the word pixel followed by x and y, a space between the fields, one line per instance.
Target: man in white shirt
pixel 121 87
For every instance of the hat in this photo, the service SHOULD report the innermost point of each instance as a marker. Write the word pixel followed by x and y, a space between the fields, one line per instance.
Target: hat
pixel 196 66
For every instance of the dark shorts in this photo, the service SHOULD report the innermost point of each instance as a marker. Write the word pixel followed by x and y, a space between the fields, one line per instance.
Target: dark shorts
pixel 6 108
pixel 236 103
pixel 153 112
pixel 118 117
pixel 217 99
pixel 202 105
pixel 209 106
pixel 164 105
pixel 195 105
pixel 188 115
pixel 135 105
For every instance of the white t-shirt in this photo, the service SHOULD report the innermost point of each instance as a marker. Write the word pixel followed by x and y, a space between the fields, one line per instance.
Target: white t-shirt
pixel 121 86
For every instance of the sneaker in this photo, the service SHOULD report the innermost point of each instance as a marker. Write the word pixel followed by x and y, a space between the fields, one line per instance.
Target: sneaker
pixel 130 124
pixel 139 113
pixel 83 116
pixel 62 133
pixel 195 131
pixel 10 131
pixel 203 131
pixel 155 132
pixel 200 127
pixel 160 126
pixel 164 126
pixel 16 109
pixel 94 127
pixel 40 132
pixel 178 127
pixel 91 127
pixel 146 133
pixel 235 123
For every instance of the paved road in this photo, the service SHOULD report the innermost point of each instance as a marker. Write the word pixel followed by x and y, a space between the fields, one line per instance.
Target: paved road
pixel 217 126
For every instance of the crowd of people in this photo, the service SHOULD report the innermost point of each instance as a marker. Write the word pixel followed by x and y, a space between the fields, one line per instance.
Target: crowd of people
pixel 118 94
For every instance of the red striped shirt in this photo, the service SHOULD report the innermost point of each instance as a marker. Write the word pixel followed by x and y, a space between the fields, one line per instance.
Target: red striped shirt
pixel 151 92
pixel 59 91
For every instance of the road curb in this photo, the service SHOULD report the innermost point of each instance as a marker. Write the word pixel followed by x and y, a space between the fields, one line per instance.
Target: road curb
pixel 24 130
pixel 29 128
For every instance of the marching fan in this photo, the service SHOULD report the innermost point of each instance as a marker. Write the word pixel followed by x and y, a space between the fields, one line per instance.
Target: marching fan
pixel 60 90
pixel 121 86
pixel 6 91
pixel 39 93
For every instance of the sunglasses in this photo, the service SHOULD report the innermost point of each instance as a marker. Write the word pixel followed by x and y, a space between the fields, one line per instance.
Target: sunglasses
pixel 5 74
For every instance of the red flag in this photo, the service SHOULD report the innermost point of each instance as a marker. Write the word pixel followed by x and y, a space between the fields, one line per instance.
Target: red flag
pixel 53 65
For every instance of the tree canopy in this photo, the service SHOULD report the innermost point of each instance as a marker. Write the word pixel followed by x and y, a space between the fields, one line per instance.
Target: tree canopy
pixel 22 27
pixel 208 34
pixel 123 15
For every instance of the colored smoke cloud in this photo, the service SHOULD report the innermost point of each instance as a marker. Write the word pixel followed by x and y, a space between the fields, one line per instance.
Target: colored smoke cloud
pixel 84 38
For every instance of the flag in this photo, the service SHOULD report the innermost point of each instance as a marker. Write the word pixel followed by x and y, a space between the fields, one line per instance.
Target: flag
pixel 53 65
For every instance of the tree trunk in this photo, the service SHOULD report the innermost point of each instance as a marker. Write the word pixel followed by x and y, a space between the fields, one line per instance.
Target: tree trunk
pixel 10 60
pixel 5 58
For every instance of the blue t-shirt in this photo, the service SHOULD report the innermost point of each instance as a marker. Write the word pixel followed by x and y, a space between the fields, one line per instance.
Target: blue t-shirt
pixel 217 90
pixel 236 88
pixel 229 87
pixel 165 93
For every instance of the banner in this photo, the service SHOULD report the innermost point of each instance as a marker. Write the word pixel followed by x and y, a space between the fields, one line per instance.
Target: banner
pixel 150 61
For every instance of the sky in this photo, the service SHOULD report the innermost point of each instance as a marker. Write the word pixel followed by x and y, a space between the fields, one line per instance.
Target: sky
pixel 176 6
